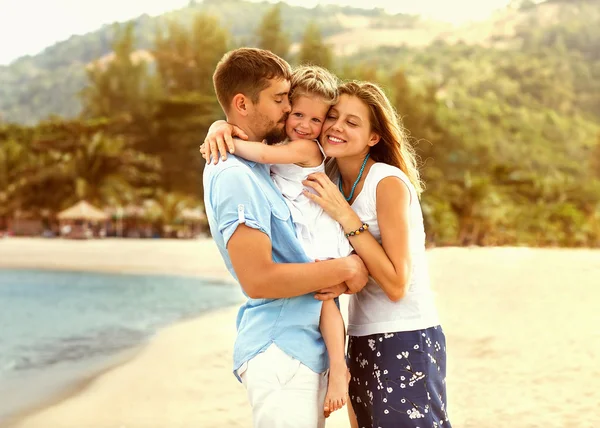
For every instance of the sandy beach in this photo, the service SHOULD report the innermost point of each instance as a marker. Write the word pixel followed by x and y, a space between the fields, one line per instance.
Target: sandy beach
pixel 521 327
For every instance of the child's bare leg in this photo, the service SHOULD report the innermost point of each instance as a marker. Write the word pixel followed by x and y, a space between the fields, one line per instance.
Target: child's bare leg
pixel 334 335
pixel 352 415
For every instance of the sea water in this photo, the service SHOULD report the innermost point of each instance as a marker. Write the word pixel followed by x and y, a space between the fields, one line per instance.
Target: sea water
pixel 56 326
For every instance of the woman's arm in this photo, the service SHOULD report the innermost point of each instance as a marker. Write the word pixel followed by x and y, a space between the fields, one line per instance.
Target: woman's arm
pixel 389 263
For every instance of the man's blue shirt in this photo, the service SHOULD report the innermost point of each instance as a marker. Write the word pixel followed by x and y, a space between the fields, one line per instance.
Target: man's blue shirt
pixel 239 191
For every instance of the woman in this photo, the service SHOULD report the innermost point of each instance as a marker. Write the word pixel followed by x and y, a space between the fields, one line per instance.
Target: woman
pixel 397 350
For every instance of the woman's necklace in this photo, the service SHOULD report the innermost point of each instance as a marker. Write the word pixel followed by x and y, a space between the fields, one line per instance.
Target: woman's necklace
pixel 362 169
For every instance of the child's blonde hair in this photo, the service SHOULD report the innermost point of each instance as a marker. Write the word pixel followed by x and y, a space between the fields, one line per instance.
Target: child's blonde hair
pixel 311 81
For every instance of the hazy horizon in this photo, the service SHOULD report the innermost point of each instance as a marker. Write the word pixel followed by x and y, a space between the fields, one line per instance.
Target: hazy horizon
pixel 74 17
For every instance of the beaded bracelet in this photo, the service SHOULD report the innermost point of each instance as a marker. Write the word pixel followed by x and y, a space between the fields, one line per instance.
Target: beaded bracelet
pixel 358 231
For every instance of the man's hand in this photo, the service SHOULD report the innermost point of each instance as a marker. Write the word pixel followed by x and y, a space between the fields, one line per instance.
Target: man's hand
pixel 219 140
pixel 360 274
pixel 331 292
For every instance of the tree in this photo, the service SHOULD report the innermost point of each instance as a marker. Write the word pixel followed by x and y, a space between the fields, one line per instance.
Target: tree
pixel 595 159
pixel 76 160
pixel 169 206
pixel 15 161
pixel 105 171
pixel 186 58
pixel 271 35
pixel 524 4
pixel 313 49
pixel 120 84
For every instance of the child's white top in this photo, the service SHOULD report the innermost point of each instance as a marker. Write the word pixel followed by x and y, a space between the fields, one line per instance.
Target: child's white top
pixel 370 310
pixel 322 237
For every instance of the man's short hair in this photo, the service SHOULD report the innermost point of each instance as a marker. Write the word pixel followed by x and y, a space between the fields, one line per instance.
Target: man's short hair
pixel 247 71
pixel 314 81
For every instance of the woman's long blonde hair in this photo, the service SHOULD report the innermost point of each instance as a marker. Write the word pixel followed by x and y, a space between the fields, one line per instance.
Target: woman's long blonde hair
pixel 393 148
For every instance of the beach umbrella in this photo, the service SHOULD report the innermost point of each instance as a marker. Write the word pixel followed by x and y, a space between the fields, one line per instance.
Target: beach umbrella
pixel 192 214
pixel 83 210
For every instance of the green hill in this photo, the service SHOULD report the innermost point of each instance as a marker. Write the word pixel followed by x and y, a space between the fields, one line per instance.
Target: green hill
pixel 35 87
pixel 504 113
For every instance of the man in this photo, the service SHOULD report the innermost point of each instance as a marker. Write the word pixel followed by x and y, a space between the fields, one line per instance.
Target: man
pixel 279 354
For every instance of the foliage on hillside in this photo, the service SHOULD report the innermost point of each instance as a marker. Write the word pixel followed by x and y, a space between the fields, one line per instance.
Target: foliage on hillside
pixel 35 87
pixel 508 137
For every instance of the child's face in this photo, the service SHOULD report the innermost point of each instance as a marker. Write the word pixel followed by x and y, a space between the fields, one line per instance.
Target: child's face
pixel 306 118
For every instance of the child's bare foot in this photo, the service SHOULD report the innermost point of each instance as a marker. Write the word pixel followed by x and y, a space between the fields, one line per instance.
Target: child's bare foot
pixel 337 390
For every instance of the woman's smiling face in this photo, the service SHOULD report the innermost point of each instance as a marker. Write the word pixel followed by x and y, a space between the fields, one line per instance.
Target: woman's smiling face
pixel 347 129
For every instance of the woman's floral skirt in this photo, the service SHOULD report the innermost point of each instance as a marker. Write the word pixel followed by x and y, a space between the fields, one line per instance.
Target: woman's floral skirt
pixel 398 380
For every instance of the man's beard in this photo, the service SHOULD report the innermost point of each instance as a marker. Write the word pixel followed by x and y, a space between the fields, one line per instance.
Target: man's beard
pixel 275 135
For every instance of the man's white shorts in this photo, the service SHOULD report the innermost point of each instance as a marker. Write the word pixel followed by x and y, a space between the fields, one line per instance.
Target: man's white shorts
pixel 283 392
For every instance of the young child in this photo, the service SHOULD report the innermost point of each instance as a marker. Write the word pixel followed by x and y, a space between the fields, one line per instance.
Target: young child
pixel 313 92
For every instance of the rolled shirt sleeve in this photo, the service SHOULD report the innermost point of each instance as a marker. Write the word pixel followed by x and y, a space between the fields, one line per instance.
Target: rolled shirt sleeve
pixel 239 199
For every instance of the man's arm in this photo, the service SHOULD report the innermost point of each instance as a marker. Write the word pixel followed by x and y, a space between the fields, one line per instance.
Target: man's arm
pixel 262 278
pixel 248 241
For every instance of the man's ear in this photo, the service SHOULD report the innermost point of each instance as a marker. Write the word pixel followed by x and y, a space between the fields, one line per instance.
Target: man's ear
pixel 240 104
pixel 374 139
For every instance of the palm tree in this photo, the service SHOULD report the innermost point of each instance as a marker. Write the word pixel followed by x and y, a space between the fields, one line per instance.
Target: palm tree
pixel 15 159
pixel 83 163
pixel 168 207
pixel 105 171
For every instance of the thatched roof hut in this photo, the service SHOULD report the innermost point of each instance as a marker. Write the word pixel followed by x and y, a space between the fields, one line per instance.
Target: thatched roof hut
pixel 83 211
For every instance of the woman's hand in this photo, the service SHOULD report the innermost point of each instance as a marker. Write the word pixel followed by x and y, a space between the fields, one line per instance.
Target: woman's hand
pixel 219 140
pixel 331 200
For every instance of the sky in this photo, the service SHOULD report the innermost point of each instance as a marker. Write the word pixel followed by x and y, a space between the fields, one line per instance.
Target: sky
pixel 28 26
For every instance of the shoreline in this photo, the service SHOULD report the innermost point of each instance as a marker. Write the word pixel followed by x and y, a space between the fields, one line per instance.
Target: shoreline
pixel 73 388
pixel 31 254
pixel 55 412
pixel 116 255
